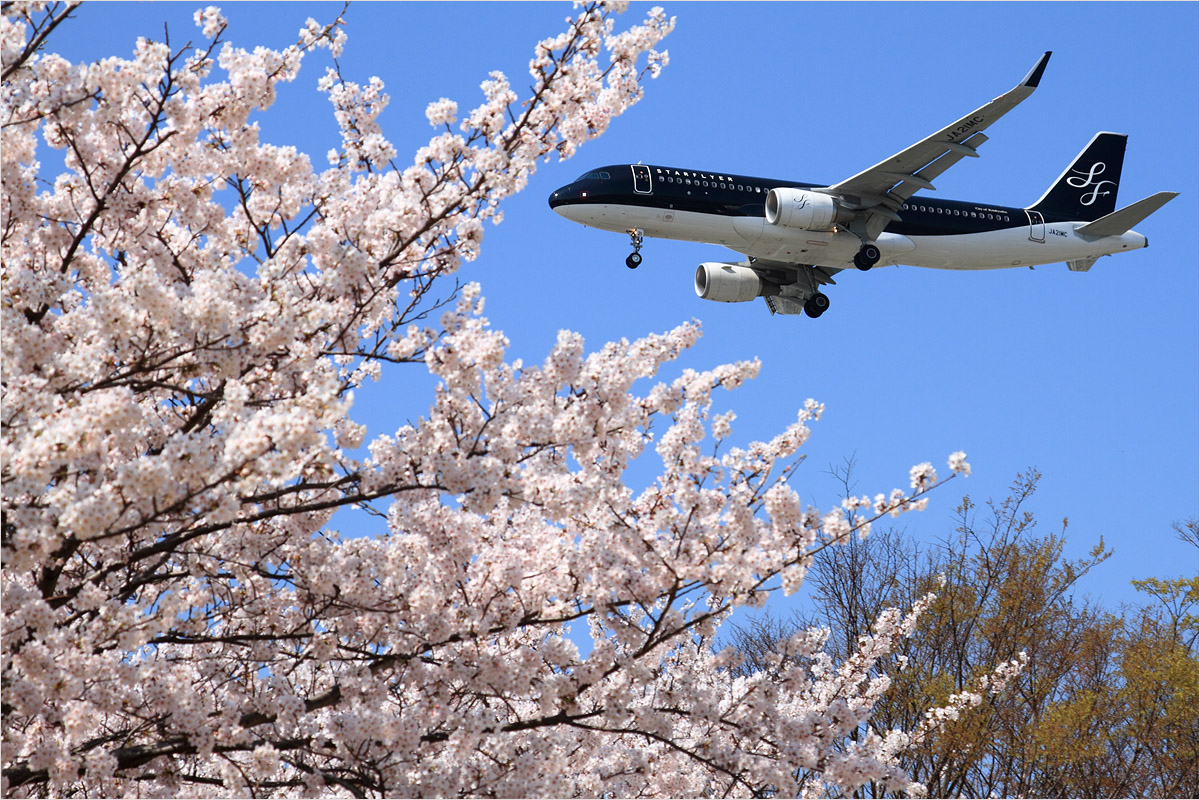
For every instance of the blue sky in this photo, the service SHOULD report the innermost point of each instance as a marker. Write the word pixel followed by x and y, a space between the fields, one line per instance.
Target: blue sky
pixel 1091 378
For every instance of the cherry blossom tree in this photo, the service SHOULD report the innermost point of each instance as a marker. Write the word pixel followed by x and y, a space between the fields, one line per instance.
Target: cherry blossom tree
pixel 187 313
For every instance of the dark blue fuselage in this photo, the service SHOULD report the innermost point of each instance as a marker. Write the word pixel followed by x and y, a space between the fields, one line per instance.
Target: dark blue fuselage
pixel 742 196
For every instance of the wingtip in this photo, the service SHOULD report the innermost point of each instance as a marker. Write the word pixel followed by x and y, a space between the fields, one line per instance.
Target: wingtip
pixel 1035 75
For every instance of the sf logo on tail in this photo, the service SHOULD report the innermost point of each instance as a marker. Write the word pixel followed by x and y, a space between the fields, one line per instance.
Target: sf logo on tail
pixel 1083 181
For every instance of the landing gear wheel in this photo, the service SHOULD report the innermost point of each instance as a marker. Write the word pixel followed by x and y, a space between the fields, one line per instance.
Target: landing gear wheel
pixel 635 241
pixel 866 257
pixel 816 305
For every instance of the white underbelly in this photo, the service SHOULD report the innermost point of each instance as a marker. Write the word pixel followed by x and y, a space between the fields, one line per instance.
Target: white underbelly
pixel 748 235
pixel 1011 247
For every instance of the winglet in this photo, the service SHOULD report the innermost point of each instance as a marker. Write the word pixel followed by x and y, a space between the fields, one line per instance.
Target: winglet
pixel 1035 75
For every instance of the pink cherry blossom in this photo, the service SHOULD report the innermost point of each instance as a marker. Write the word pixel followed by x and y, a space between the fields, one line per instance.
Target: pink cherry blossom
pixel 189 313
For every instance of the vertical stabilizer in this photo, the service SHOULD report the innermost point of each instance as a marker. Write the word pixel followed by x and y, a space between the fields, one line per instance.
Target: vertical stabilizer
pixel 1087 190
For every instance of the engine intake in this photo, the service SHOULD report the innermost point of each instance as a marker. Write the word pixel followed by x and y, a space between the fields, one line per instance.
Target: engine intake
pixel 731 283
pixel 810 211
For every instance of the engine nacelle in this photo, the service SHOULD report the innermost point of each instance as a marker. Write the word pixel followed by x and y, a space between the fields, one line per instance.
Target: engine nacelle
pixel 809 211
pixel 730 283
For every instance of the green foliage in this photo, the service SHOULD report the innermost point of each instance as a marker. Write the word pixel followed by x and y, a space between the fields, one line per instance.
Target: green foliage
pixel 1107 704
pixel 1179 597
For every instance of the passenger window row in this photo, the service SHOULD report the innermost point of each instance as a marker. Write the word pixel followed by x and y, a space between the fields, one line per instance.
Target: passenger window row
pixel 954 212
pixel 710 182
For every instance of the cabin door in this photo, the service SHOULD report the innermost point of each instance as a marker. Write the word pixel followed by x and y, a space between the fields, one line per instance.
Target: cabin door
pixel 1037 226
pixel 641 179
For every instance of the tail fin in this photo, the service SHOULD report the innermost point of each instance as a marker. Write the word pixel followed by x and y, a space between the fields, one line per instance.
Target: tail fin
pixel 1087 190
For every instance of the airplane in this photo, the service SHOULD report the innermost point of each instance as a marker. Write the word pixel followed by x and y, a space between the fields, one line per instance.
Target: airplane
pixel 797 236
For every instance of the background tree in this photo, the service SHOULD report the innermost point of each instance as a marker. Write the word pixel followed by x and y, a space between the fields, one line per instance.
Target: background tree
pixel 187 310
pixel 1106 707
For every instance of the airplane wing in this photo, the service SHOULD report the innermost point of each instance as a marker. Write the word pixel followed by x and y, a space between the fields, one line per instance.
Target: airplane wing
pixel 880 191
pixel 788 272
pixel 784 272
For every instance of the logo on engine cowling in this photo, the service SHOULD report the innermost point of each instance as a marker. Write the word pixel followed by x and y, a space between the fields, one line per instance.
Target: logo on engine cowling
pixel 1085 179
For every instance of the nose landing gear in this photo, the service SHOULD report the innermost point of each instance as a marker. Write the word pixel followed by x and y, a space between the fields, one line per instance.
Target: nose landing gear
pixel 866 257
pixel 635 240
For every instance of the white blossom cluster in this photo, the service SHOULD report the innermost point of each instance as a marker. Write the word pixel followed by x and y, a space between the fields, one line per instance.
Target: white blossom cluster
pixel 187 311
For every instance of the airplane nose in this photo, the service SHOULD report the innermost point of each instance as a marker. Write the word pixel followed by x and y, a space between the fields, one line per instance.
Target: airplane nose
pixel 566 202
pixel 558 196
pixel 571 211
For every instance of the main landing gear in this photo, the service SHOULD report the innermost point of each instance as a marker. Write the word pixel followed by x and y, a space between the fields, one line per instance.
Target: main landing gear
pixel 816 305
pixel 635 240
pixel 866 257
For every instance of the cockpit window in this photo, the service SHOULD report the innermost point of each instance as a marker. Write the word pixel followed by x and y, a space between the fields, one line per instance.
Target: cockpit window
pixel 597 175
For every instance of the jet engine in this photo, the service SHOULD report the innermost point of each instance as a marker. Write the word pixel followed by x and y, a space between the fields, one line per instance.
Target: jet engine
pixel 810 211
pixel 730 283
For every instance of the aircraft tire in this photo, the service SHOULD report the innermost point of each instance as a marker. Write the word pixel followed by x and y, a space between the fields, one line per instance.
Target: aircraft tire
pixel 634 260
pixel 867 257
pixel 816 305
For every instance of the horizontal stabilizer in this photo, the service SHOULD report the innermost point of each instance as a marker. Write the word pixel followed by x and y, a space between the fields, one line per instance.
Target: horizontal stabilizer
pixel 1122 220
